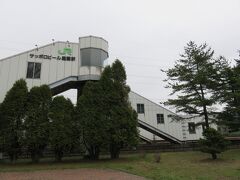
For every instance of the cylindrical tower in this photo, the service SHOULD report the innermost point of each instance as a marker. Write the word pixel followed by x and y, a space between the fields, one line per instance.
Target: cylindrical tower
pixel 93 51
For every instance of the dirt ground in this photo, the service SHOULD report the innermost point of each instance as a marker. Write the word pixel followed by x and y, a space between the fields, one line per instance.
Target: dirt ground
pixel 70 174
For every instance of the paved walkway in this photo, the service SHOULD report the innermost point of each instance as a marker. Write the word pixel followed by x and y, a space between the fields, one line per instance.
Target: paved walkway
pixel 70 174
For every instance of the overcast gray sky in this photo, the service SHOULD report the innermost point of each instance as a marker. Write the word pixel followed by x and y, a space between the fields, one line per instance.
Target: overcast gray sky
pixel 146 35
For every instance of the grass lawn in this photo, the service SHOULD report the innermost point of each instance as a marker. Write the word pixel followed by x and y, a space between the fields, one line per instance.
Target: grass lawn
pixel 173 165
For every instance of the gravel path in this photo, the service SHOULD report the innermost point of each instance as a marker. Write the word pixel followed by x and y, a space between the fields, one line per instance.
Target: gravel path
pixel 70 174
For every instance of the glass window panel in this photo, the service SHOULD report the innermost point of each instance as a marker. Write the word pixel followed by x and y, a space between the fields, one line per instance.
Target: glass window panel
pixel 143 108
pixel 140 108
pixel 160 118
pixel 191 128
pixel 85 57
pixel 37 71
pixel 104 56
pixel 93 57
pixel 30 69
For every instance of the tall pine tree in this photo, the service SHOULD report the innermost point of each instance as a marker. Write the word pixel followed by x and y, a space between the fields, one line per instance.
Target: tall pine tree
pixel 230 93
pixel 195 80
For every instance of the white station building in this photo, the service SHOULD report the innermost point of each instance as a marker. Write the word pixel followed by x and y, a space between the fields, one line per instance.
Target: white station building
pixel 68 65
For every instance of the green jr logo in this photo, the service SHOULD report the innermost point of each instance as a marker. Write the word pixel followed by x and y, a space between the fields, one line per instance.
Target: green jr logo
pixel 66 51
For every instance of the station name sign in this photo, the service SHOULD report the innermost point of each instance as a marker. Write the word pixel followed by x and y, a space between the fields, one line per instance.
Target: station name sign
pixel 64 55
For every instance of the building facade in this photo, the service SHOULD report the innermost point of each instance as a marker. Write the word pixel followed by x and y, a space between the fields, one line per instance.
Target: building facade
pixel 54 64
pixel 67 65
pixel 188 129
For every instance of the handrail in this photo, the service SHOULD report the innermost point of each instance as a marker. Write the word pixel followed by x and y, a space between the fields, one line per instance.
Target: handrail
pixel 158 132
pixel 145 138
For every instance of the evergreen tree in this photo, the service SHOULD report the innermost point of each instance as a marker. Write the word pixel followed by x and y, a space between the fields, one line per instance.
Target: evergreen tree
pixel 230 93
pixel 61 126
pixel 123 119
pixel 106 116
pixel 195 79
pixel 123 129
pixel 1 130
pixel 12 111
pixel 37 121
pixel 92 119
pixel 213 142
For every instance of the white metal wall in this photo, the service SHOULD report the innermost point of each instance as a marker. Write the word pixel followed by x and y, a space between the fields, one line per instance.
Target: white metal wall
pixel 176 129
pixel 15 67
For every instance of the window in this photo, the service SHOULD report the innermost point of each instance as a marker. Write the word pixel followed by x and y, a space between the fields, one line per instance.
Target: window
pixel 191 128
pixel 160 118
pixel 140 108
pixel 37 71
pixel 30 70
pixel 34 70
pixel 93 57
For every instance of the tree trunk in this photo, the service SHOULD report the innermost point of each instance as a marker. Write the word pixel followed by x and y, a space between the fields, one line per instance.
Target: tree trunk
pixel 35 157
pixel 13 158
pixel 14 150
pixel 114 151
pixel 214 156
pixel 94 152
pixel 204 108
pixel 206 116
pixel 204 105
pixel 58 155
